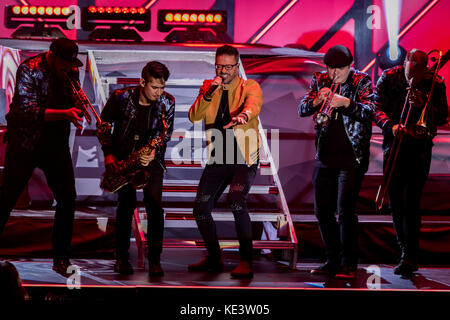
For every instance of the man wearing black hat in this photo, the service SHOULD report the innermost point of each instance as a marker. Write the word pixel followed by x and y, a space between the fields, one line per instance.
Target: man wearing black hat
pixel 38 131
pixel 341 101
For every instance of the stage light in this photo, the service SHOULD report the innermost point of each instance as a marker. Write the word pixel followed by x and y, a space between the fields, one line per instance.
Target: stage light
pixel 37 22
pixel 169 17
pixel 218 18
pixel 392 14
pixel 193 25
pixel 386 62
pixel 122 22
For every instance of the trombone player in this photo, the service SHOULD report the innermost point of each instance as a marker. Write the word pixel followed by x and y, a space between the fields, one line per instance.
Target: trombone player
pixel 424 107
pixel 341 100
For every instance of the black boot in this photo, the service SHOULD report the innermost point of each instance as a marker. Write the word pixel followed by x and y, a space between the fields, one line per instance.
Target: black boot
pixel 154 267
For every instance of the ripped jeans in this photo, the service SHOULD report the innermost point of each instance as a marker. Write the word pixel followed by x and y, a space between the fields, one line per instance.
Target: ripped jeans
pixel 213 182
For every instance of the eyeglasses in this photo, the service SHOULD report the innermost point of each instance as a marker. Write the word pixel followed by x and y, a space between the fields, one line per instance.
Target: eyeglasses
pixel 227 67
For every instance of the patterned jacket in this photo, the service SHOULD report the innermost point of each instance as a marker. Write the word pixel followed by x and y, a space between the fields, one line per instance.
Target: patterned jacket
pixel 390 95
pixel 35 91
pixel 357 117
pixel 120 111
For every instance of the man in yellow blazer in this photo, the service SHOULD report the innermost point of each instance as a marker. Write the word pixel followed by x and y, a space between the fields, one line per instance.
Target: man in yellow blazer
pixel 229 106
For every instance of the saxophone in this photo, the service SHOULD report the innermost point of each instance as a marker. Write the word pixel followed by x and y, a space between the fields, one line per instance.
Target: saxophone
pixel 130 170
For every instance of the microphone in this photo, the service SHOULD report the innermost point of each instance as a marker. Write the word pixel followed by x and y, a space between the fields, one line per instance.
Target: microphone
pixel 215 83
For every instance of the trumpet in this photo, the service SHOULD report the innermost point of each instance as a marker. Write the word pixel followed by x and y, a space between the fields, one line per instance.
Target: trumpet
pixel 420 130
pixel 85 105
pixel 324 114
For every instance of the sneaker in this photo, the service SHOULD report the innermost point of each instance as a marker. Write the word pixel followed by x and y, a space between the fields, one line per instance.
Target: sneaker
pixel 346 272
pixel 61 266
pixel 242 271
pixel 154 268
pixel 327 269
pixel 207 264
pixel 123 267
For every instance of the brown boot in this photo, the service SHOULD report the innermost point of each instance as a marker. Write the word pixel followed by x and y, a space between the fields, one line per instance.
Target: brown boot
pixel 207 264
pixel 242 271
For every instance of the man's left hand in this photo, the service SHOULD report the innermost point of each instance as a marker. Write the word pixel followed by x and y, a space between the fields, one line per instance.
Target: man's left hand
pixel 145 159
pixel 339 101
pixel 239 119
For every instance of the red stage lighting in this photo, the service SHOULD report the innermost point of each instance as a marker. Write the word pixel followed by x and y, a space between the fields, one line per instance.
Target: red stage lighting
pixel 36 21
pixel 123 22
pixel 192 19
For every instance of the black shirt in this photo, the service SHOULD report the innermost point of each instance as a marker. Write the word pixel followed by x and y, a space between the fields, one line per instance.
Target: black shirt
pixel 143 122
pixel 61 98
pixel 228 139
pixel 337 151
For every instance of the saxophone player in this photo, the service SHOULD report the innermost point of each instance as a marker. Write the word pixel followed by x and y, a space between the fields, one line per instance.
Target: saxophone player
pixel 342 157
pixel 414 156
pixel 136 114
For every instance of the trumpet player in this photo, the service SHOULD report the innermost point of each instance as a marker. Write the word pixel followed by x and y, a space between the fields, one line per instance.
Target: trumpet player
pixel 136 114
pixel 38 132
pixel 340 98
pixel 412 166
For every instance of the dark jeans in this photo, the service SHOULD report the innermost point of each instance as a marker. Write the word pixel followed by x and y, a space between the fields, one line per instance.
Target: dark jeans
pixel 155 213
pixel 337 190
pixel 56 162
pixel 405 192
pixel 213 182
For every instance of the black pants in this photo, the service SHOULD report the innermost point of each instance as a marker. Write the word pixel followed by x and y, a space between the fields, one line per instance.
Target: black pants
pixel 337 190
pixel 56 162
pixel 155 213
pixel 213 182
pixel 405 192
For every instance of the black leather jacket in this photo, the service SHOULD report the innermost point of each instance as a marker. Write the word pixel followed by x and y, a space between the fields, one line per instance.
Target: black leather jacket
pixel 357 117
pixel 120 111
pixel 389 99
pixel 36 90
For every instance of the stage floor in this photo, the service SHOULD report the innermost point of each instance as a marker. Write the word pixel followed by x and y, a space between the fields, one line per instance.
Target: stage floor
pixel 275 292
pixel 268 273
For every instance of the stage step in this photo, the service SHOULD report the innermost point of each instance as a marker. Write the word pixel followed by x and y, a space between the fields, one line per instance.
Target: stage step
pixel 189 187
pixel 186 215
pixel 229 244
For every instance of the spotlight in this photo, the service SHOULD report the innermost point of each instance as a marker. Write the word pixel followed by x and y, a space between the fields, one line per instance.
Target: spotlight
pixel 391 57
pixel 122 22
pixel 193 25
pixel 37 22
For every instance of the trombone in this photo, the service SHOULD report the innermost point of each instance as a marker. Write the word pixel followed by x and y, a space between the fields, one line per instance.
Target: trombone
pixel 419 130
